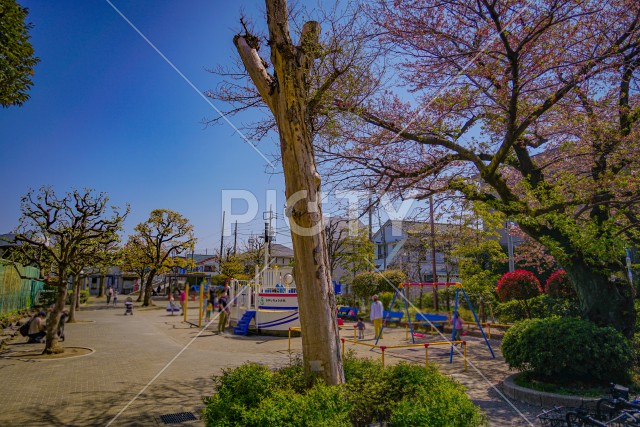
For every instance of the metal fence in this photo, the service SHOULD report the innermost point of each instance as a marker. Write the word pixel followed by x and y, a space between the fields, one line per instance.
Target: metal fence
pixel 19 287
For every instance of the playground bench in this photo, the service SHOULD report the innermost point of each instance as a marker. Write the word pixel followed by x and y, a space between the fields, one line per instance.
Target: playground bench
pixel 425 319
pixel 348 313
pixel 392 317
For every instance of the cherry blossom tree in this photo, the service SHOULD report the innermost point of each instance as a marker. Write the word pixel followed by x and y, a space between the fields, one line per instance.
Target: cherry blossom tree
pixel 529 107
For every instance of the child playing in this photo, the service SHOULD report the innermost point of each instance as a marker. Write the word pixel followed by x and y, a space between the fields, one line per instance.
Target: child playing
pixel 209 310
pixel 115 297
pixel 457 322
pixel 361 327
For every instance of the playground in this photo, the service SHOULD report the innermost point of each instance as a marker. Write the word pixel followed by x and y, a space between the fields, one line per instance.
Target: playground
pixel 129 351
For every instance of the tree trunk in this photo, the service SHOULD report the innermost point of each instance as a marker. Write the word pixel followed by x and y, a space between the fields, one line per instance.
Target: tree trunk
pixel 142 288
pixel 100 289
pixel 74 301
pixel 604 301
pixel 52 345
pixel 286 96
pixel 148 291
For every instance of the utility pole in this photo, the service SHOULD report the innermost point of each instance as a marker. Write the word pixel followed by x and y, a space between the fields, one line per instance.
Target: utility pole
pixel 370 214
pixel 235 238
pixel 268 237
pixel 434 274
pixel 222 237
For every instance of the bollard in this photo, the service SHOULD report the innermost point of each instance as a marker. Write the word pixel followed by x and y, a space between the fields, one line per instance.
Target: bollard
pixel 426 355
pixel 342 339
pixel 186 307
pixel 289 340
pixel 382 348
pixel 464 344
pixel 355 328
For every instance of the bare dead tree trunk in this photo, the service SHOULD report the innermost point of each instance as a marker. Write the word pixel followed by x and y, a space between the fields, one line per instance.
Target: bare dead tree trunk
pixel 286 96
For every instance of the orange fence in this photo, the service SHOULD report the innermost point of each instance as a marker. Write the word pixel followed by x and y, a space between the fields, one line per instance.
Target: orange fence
pixel 426 346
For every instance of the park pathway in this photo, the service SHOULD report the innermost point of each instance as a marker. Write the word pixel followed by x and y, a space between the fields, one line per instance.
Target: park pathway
pixel 131 350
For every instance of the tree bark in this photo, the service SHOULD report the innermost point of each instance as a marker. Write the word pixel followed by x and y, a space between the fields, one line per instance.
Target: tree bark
pixel 141 290
pixel 52 345
pixel 148 291
pixel 74 300
pixel 100 289
pixel 286 96
pixel 604 301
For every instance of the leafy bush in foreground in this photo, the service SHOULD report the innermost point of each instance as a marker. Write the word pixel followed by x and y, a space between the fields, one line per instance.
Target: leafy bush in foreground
pixel 403 395
pixel 562 350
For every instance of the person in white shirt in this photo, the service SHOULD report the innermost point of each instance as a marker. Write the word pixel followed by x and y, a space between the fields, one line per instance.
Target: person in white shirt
pixel 376 316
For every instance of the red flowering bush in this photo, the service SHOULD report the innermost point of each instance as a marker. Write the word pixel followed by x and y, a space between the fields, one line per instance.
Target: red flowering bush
pixel 518 285
pixel 558 285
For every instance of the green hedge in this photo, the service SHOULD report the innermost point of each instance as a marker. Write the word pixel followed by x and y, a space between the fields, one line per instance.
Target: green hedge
pixel 563 350
pixel 84 296
pixel 540 307
pixel 402 395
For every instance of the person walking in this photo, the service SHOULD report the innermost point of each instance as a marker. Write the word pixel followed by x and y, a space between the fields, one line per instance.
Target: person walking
pixel 109 294
pixel 183 298
pixel 222 308
pixel 376 316
pixel 457 323
pixel 360 326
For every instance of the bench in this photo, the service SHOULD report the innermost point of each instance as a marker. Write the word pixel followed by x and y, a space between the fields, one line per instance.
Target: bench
pixel 426 319
pixel 348 313
pixel 392 317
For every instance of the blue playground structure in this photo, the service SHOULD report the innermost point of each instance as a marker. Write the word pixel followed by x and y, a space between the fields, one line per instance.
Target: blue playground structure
pixel 432 319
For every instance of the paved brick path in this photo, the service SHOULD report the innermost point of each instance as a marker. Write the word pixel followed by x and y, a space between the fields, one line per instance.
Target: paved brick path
pixel 132 350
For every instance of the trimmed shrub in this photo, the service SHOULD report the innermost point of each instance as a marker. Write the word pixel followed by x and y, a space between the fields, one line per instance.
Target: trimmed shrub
pixel 540 307
pixel 390 280
pixel 518 285
pixel 403 395
pixel 563 350
pixel 365 285
pixel 558 285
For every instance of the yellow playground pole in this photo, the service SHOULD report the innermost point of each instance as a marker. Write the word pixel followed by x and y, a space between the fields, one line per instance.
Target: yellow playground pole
pixel 426 355
pixel 382 348
pixel 464 343
pixel 186 301
pixel 355 328
pixel 201 300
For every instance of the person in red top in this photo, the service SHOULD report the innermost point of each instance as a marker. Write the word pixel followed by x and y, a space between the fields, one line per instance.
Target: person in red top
pixel 183 298
pixel 457 323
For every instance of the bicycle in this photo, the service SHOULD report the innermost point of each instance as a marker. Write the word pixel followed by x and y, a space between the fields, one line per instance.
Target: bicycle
pixel 610 407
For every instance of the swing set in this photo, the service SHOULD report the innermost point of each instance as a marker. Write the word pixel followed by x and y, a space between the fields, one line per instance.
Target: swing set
pixel 401 291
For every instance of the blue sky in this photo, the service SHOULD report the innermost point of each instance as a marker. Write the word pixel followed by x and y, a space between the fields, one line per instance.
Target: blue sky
pixel 108 113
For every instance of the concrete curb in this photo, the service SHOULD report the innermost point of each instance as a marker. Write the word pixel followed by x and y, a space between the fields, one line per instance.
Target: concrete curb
pixel 541 398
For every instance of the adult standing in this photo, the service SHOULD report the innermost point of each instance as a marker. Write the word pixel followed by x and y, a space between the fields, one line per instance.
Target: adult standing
pixel 109 294
pixel 223 315
pixel 183 298
pixel 376 316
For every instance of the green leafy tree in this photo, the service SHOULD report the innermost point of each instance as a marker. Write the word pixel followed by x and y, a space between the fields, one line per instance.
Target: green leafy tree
pixel 160 240
pixel 357 252
pixel 17 58
pixel 232 267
